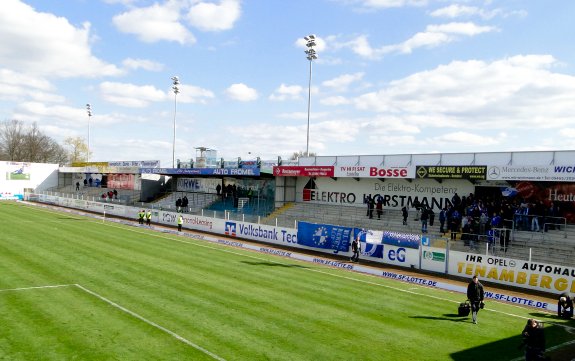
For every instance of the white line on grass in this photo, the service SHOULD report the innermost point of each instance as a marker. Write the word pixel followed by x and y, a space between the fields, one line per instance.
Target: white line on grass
pixel 33 288
pixel 556 347
pixel 151 323
pixel 124 309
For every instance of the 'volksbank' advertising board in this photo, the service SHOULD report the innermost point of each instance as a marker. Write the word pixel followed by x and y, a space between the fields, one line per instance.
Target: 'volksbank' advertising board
pixel 259 232
pixel 513 272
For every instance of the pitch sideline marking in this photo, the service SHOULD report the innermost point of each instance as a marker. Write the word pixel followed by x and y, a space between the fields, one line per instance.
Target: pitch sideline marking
pixel 125 310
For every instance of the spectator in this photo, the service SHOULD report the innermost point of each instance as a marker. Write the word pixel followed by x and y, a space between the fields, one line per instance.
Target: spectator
pixel 533 340
pixel 77 186
pixel 404 214
pixel 565 306
pixel 424 217
pixel 379 207
pixel 442 219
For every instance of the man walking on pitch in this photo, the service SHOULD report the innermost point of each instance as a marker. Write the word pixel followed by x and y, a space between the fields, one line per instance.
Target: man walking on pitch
pixel 180 222
pixel 356 247
pixel 475 296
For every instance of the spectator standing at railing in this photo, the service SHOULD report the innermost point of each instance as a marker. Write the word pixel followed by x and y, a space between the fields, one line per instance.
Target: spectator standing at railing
pixel 442 219
pixel 417 206
pixel 404 214
pixel 538 210
pixel 424 217
pixel 185 203
pixel 379 207
pixel 115 194
pixel 179 204
pixel 77 186
pixel 431 216
pixel 454 222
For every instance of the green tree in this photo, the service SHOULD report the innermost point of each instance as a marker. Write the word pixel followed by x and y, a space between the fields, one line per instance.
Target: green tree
pixel 78 149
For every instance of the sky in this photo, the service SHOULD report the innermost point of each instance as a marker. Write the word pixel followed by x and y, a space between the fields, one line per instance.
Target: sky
pixel 391 77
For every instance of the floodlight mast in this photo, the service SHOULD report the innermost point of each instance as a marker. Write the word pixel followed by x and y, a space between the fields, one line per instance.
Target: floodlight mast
pixel 176 90
pixel 311 56
pixel 89 110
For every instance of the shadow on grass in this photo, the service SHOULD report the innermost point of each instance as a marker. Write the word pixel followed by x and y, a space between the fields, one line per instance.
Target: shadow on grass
pixel 272 264
pixel 509 348
pixel 70 218
pixel 446 317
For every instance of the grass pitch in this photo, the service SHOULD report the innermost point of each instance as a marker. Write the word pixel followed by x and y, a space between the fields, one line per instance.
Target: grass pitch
pixel 128 293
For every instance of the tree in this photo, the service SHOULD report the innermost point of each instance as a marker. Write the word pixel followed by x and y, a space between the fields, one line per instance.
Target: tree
pixel 11 140
pixel 79 149
pixel 301 153
pixel 21 144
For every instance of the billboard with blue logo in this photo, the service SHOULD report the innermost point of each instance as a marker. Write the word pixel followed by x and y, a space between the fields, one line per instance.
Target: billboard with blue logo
pixel 324 236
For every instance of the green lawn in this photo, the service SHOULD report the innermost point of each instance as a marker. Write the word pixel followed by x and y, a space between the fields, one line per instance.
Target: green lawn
pixel 129 293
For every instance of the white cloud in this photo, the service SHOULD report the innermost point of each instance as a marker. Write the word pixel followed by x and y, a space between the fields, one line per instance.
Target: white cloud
pixel 194 94
pixel 335 100
pixel 155 23
pixel 467 139
pixel 433 36
pixel 514 93
pixel 214 17
pixel 567 132
pixel 385 4
pixel 457 11
pixel 130 95
pixel 46 45
pixel 136 64
pixel 303 115
pixel 342 82
pixel 241 92
pixel 19 86
pixel 285 92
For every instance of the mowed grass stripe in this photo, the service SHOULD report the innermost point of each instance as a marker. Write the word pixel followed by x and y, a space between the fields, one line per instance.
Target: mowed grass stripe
pixel 244 305
pixel 69 323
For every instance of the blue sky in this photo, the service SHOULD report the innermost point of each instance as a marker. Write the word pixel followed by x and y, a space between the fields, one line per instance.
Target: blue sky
pixel 392 76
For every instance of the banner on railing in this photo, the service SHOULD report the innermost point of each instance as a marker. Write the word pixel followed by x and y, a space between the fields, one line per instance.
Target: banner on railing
pixel 324 236
pixel 408 240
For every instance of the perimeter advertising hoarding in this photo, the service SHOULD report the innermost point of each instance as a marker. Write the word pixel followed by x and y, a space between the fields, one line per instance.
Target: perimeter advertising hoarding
pixel 396 193
pixel 374 172
pixel 513 272
pixel 303 171
pixel 538 173
pixel 433 259
pixel 470 172
pixel 203 171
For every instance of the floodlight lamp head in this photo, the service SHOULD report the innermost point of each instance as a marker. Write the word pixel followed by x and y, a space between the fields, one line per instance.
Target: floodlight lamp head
pixel 175 89
pixel 176 80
